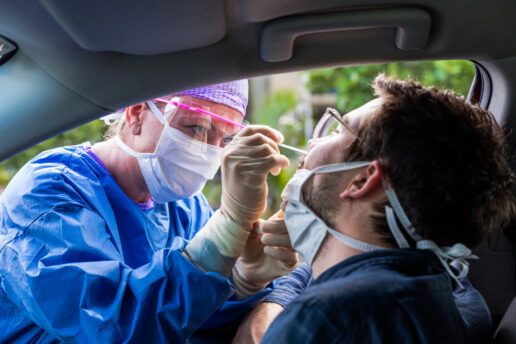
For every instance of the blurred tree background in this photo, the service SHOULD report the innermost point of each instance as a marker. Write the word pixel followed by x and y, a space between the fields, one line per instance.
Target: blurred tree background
pixel 345 89
pixel 291 111
pixel 92 131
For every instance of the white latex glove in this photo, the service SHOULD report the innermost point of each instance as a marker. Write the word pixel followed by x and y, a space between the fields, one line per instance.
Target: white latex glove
pixel 267 256
pixel 246 161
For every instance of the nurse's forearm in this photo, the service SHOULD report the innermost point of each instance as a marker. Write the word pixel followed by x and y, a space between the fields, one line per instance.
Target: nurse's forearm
pixel 217 245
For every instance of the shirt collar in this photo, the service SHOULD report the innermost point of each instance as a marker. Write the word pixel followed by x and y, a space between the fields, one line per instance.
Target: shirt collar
pixel 410 260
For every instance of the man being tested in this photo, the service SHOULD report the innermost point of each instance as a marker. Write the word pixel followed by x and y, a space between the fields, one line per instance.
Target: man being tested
pixel 379 208
pixel 114 243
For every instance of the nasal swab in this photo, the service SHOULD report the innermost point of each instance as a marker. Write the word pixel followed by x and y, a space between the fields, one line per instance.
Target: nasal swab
pixel 292 148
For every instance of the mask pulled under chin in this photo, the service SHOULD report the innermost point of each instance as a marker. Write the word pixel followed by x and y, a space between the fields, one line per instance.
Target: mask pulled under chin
pixel 307 231
pixel 180 165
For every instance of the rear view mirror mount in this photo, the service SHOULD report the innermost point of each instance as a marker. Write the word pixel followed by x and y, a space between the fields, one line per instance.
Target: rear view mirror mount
pixel 7 49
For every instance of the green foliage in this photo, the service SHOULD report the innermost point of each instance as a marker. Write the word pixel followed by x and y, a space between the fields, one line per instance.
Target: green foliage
pixel 352 87
pixel 279 110
pixel 274 106
pixel 92 131
pixel 352 84
pixel 269 113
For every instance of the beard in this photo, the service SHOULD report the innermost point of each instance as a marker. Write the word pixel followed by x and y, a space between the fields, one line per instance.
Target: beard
pixel 323 198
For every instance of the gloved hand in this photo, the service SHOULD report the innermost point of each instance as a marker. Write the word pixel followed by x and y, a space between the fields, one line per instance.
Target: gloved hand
pixel 246 161
pixel 267 255
pixel 245 164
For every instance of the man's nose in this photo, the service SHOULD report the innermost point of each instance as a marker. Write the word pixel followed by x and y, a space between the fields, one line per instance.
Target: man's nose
pixel 312 143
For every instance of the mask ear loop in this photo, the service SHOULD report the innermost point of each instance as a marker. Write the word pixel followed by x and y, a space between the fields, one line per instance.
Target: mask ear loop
pixel 395 229
pixel 457 252
pixel 157 113
pixel 111 118
pixel 338 167
pixel 398 210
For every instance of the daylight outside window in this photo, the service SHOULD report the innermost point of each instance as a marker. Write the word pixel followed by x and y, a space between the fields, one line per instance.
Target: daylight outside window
pixel 291 103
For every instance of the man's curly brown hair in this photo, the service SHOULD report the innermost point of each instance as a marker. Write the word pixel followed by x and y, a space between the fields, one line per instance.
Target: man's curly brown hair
pixel 445 159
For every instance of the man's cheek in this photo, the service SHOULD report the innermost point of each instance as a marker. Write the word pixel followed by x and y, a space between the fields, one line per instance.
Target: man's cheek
pixel 319 158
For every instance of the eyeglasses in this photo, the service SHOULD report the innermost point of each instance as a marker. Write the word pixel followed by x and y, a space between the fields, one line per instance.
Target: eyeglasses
pixel 329 123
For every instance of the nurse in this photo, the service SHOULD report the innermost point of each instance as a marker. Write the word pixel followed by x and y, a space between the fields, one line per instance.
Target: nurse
pixel 98 243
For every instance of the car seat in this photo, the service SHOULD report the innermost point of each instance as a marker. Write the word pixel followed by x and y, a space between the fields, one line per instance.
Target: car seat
pixel 506 331
pixel 494 276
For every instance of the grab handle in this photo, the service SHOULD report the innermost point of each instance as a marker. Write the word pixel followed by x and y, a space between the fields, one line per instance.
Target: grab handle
pixel 412 29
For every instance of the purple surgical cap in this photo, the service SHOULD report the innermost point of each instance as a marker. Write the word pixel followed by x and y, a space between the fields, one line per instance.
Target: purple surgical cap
pixel 233 94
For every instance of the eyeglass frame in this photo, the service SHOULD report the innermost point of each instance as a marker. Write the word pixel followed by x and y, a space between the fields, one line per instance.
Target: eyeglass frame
pixel 336 114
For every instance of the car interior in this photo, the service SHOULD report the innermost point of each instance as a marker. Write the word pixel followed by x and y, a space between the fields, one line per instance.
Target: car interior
pixel 64 63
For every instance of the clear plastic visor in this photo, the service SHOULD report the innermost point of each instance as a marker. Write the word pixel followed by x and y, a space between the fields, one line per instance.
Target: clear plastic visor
pixel 212 125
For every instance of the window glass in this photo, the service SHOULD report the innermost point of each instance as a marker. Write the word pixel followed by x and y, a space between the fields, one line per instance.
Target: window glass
pixel 291 103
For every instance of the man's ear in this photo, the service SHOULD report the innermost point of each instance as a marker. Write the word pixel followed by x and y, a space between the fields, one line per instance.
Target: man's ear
pixel 365 182
pixel 133 118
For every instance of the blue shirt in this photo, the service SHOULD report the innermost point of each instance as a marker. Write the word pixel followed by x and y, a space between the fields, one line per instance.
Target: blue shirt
pixel 386 296
pixel 81 262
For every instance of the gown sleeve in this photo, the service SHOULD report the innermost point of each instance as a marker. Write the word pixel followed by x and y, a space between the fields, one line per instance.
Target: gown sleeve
pixel 188 217
pixel 65 272
pixel 288 287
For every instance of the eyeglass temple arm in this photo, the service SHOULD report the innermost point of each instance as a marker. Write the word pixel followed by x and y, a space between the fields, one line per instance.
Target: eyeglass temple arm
pixel 338 117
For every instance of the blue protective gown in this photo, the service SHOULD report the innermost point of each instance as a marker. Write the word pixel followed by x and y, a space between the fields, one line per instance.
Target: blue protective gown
pixel 81 262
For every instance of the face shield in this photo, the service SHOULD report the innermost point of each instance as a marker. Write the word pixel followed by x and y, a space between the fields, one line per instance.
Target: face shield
pixel 207 124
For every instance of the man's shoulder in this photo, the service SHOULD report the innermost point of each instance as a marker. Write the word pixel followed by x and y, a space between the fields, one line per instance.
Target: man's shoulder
pixel 378 300
pixel 337 308
pixel 367 288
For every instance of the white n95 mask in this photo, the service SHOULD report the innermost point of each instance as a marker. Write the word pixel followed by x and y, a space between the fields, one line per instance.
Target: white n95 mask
pixel 179 166
pixel 305 229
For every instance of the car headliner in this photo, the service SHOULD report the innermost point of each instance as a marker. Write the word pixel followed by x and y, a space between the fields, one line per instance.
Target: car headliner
pixel 78 60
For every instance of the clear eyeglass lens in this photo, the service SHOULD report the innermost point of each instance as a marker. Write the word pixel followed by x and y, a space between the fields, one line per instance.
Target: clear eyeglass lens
pixel 327 125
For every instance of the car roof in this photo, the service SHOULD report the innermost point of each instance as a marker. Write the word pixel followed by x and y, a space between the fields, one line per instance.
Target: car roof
pixel 77 60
